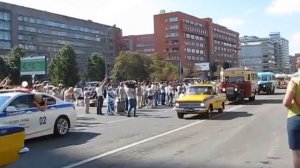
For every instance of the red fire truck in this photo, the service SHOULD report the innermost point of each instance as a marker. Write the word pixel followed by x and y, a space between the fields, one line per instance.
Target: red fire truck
pixel 238 84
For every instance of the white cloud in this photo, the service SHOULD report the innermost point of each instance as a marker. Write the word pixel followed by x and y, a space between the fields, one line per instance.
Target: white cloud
pixel 282 7
pixel 295 43
pixel 232 23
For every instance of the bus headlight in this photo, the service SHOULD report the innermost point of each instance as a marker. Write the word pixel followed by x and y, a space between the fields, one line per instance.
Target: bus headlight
pixel 176 104
pixel 223 89
pixel 236 89
pixel 202 105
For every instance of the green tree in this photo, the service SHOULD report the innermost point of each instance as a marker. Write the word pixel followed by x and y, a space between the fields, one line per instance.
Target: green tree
pixel 131 66
pixel 4 68
pixel 95 67
pixel 63 68
pixel 14 63
pixel 162 70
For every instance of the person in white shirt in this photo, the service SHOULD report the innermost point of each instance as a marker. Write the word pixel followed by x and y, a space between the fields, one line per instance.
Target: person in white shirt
pixel 139 95
pixel 162 89
pixel 99 90
pixel 144 92
pixel 86 99
pixel 131 96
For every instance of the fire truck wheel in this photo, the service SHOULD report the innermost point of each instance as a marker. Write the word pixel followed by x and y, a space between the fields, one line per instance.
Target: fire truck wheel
pixel 252 98
pixel 241 98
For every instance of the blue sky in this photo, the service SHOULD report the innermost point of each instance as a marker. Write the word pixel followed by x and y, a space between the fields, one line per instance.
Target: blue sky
pixel 248 17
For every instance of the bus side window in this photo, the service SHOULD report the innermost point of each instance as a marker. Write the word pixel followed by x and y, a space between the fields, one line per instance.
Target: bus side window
pixel 249 78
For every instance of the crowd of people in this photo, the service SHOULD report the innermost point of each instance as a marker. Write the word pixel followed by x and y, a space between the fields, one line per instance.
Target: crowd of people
pixel 123 98
pixel 131 95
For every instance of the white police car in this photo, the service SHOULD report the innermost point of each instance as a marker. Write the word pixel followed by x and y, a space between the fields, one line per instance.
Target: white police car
pixel 18 109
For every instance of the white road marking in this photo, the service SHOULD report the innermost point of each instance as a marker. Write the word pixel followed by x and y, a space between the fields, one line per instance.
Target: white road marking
pixel 144 141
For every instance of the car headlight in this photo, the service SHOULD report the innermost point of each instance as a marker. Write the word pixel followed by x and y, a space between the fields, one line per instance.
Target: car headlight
pixel 264 85
pixel 236 89
pixel 202 105
pixel 176 104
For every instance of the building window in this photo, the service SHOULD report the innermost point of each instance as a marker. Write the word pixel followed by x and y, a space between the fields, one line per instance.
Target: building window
pixel 4 35
pixel 20 18
pixel 174 34
pixel 174 27
pixel 28 47
pixel 4 25
pixel 173 19
pixel 187 35
pixel 5 45
pixel 4 16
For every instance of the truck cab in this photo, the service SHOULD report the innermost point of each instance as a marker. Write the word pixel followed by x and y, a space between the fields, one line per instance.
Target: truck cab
pixel 266 83
pixel 238 84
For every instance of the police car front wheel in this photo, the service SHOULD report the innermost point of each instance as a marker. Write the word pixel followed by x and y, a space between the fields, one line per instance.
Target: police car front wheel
pixel 61 126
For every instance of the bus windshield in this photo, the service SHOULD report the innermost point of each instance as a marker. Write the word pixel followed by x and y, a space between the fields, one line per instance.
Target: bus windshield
pixel 234 79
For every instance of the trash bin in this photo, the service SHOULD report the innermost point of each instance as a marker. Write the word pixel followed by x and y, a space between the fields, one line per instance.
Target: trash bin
pixel 11 142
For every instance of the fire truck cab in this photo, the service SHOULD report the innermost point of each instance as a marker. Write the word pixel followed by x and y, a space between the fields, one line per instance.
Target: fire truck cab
pixel 238 84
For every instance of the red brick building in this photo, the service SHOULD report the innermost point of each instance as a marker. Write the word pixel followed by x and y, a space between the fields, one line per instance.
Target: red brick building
pixel 138 43
pixel 180 37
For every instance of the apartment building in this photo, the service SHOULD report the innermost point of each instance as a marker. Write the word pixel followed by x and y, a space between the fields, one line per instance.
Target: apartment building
pixel 185 39
pixel 281 52
pixel 138 43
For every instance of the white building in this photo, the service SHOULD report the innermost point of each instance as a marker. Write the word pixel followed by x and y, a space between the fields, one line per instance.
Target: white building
pixel 257 53
pixel 281 46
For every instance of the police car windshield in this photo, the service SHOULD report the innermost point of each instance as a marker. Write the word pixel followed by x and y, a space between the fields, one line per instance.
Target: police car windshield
pixel 3 99
pixel 194 90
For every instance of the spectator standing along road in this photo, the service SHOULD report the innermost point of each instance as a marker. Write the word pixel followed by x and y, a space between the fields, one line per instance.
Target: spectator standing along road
pixel 99 90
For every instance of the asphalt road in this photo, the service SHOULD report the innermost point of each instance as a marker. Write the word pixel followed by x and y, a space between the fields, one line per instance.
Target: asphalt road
pixel 252 135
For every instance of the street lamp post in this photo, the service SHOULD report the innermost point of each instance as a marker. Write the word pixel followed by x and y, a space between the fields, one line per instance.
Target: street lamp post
pixel 106 37
pixel 107 45
pixel 180 59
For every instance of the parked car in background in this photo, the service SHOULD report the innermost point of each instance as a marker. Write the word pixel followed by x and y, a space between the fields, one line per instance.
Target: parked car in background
pixel 92 85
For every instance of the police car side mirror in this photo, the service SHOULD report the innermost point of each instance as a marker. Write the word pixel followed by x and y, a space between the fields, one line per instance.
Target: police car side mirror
pixel 10 109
